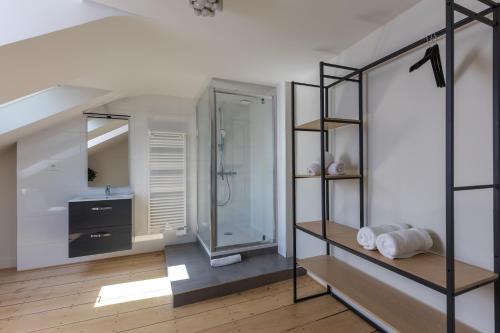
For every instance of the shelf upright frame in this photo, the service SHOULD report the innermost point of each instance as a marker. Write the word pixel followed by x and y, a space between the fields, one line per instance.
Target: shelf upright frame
pixel 450 178
pixel 496 159
pixel 448 32
pixel 296 298
pixel 324 92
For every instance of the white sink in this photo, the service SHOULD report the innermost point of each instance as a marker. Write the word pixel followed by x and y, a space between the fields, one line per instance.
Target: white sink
pixel 102 197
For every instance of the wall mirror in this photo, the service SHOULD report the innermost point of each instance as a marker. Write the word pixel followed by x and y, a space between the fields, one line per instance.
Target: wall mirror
pixel 107 150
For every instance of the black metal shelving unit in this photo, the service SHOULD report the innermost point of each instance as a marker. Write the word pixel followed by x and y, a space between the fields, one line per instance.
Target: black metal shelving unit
pixel 459 277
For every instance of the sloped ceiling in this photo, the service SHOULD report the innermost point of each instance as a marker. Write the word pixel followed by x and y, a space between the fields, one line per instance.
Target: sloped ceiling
pixel 23 19
pixel 49 107
pixel 166 49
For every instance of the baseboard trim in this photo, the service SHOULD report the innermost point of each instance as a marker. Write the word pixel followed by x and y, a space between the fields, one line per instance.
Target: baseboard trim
pixel 8 263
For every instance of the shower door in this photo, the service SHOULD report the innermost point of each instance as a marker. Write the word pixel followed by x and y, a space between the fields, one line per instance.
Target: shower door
pixel 245 170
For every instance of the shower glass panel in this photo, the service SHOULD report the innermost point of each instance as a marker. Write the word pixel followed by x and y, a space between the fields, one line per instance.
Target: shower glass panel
pixel 203 119
pixel 244 178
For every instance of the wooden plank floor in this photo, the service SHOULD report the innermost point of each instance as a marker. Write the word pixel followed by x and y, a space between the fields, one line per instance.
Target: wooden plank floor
pixel 132 294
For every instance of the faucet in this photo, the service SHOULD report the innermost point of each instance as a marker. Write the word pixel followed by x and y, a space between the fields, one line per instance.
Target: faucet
pixel 108 190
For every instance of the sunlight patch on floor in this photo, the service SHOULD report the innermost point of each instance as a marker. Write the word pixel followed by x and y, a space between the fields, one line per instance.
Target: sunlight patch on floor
pixel 141 290
pixel 133 291
pixel 178 273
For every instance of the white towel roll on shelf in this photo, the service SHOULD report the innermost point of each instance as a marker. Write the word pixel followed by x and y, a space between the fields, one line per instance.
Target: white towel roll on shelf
pixel 314 169
pixel 367 236
pixel 404 243
pixel 336 169
pixel 328 159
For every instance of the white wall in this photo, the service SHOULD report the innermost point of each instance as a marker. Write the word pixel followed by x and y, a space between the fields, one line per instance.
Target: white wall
pixel 405 150
pixel 7 204
pixel 52 169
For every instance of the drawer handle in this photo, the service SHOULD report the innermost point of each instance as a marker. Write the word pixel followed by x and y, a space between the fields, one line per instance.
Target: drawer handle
pixel 101 208
pixel 101 234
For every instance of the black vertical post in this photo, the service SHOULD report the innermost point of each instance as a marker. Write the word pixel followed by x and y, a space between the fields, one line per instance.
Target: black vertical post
pixel 293 197
pixel 327 184
pixel 496 162
pixel 322 138
pixel 450 233
pixel 361 155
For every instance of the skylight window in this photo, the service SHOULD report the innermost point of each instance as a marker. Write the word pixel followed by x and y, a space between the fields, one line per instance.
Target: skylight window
pixel 107 136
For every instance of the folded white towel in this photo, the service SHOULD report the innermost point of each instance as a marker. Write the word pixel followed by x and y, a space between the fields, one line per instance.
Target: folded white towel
pixel 314 169
pixel 336 169
pixel 367 236
pixel 404 243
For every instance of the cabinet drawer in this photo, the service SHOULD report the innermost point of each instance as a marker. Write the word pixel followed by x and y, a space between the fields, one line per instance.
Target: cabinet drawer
pixel 97 214
pixel 100 240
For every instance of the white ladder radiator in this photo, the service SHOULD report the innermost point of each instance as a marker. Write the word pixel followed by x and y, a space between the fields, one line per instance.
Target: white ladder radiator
pixel 167 182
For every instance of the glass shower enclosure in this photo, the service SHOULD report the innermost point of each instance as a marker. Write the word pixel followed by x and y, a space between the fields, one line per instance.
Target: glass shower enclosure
pixel 236 167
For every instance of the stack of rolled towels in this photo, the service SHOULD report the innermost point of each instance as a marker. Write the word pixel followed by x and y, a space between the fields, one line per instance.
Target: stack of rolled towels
pixel 395 240
pixel 331 167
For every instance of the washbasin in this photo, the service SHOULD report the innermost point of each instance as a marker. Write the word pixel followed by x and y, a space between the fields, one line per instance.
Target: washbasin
pixel 102 197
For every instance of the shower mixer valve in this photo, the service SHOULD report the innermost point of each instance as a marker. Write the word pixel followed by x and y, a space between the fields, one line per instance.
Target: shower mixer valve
pixel 226 173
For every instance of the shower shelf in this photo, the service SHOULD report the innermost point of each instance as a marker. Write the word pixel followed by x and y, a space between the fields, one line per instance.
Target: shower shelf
pixel 330 123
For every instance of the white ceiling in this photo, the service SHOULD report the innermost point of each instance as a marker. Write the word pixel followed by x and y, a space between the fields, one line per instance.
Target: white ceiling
pixel 167 49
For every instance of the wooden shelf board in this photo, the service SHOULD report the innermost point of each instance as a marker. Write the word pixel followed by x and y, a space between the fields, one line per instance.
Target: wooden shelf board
pixel 330 123
pixel 428 266
pixel 345 176
pixel 395 309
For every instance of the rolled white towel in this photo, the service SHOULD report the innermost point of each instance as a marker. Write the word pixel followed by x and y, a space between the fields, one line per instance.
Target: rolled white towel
pixel 314 169
pixel 404 243
pixel 224 261
pixel 328 160
pixel 336 169
pixel 367 236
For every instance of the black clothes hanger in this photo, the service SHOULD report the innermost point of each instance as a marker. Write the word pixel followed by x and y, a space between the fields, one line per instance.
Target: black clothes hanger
pixel 422 61
pixel 432 54
pixel 438 66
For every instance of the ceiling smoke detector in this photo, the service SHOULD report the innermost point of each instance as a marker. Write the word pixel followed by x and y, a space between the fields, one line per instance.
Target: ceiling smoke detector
pixel 206 7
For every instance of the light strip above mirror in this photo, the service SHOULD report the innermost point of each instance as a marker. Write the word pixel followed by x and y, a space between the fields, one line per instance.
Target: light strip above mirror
pixel 106 115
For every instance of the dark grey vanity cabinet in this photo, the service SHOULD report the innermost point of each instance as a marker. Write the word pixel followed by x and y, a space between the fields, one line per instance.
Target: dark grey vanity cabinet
pixel 99 226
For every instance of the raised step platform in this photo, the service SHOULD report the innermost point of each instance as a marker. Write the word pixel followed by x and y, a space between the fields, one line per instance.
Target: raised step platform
pixel 194 280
